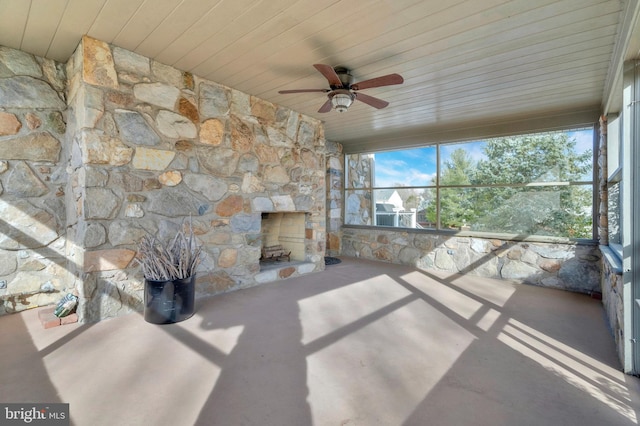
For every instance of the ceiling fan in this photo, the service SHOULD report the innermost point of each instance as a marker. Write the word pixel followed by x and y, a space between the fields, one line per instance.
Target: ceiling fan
pixel 343 91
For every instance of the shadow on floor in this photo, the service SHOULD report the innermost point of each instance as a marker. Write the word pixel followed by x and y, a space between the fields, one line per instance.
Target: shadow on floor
pixel 362 343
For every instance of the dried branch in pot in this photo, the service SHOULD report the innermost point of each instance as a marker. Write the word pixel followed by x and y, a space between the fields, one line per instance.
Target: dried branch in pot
pixel 174 259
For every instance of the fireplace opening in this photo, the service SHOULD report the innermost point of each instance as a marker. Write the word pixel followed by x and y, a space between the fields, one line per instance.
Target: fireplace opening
pixel 283 237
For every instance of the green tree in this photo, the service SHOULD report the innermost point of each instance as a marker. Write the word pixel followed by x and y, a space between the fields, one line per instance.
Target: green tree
pixel 541 210
pixel 455 207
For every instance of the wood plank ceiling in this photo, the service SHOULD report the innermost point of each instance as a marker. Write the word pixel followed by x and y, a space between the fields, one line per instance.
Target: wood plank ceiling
pixel 466 63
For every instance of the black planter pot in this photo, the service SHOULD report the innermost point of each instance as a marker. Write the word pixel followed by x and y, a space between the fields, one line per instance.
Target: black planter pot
pixel 167 302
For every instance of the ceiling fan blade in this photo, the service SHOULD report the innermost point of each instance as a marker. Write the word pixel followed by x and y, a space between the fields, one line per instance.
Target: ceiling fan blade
pixel 329 73
pixel 284 92
pixel 370 100
pixel 326 107
pixel 385 80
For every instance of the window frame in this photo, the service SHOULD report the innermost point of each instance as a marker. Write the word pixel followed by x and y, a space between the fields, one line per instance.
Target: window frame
pixel 437 187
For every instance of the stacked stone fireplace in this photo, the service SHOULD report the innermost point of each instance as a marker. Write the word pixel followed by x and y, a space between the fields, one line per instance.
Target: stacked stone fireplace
pixel 146 147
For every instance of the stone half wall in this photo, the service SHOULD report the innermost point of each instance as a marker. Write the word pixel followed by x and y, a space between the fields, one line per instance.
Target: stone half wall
pixel 152 146
pixel 563 266
pixel 612 299
pixel 33 162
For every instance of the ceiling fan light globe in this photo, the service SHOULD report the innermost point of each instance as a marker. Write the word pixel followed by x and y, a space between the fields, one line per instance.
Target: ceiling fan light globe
pixel 341 101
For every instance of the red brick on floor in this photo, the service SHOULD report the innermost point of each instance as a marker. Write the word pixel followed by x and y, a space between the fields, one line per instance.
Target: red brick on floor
pixel 47 318
pixel 69 319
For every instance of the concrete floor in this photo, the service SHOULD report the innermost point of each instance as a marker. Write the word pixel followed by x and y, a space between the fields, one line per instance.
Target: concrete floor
pixel 363 343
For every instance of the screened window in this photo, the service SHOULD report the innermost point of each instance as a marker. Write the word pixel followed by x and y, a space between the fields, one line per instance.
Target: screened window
pixel 614 202
pixel 537 184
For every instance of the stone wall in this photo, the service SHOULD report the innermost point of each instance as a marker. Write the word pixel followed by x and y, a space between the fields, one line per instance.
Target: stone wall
pixel 33 267
pixel 612 300
pixel 153 145
pixel 564 266
pixel 146 147
pixel 358 197
pixel 335 184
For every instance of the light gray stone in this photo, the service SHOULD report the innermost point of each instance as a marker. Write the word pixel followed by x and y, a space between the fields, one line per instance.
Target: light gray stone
pixel 91 97
pixel 283 203
pixel 262 204
pixel 126 180
pixel 93 176
pixel 551 252
pixel 278 139
pixel 126 232
pixel 243 222
pixel 353 216
pixel 129 61
pixel 276 174
pixel 100 203
pixel 31 147
pixel 400 240
pixel 54 73
pixel 335 163
pixel 485 266
pixel 180 162
pixel 174 202
pixel 134 210
pixel 444 261
pixel 218 161
pixel 240 103
pixel 479 246
pixel 303 202
pixel 306 134
pixel 95 235
pixel 28 281
pixel 515 270
pixel 4 166
pixel 175 125
pixel 25 226
pixel 212 188
pixel 267 276
pixel 167 74
pixel 248 163
pixel 29 93
pixel 408 256
pixel 214 101
pixel 19 62
pixel 135 129
pixel 462 258
pixel 306 268
pixel 8 263
pixel 530 256
pixel 159 94
pixel 152 159
pixel 23 182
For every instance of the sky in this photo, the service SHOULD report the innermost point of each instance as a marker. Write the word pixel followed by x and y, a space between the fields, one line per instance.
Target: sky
pixel 417 167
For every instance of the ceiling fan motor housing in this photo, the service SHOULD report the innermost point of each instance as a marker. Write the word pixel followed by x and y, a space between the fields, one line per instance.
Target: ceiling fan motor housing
pixel 345 77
